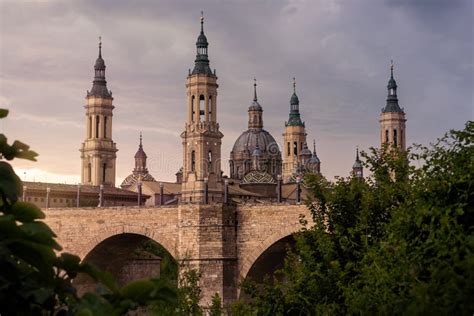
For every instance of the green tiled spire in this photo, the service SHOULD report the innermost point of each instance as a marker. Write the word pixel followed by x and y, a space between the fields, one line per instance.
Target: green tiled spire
pixel 392 100
pixel 295 117
pixel 201 64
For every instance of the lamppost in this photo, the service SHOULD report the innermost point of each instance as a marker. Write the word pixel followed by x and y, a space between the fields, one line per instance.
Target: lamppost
pixel 78 196
pixel 279 188
pixel 162 198
pixel 139 190
pixel 101 195
pixel 48 191
pixel 226 191
pixel 298 189
pixel 24 193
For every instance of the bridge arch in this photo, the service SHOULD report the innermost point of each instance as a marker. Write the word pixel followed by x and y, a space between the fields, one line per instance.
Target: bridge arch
pixel 157 236
pixel 283 235
pixel 127 256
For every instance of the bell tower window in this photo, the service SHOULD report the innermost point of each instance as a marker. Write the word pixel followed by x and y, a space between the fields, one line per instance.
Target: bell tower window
pixel 209 158
pixel 104 168
pixel 295 148
pixel 193 108
pixel 288 150
pixel 209 105
pixel 105 126
pixel 90 127
pixel 193 160
pixel 386 136
pixel 201 107
pixel 395 137
pixel 97 124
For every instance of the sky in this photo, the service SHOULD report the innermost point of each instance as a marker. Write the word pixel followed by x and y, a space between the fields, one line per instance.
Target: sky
pixel 339 51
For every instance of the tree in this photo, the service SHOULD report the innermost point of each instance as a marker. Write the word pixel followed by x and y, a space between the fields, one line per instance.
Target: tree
pixel 398 242
pixel 34 279
pixel 216 306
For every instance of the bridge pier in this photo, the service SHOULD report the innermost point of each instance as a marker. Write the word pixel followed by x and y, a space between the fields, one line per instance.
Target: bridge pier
pixel 207 238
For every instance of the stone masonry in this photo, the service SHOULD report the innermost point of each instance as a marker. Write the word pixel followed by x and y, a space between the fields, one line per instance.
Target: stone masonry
pixel 222 242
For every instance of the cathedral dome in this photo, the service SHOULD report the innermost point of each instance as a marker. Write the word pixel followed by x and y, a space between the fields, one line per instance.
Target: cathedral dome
pixel 248 140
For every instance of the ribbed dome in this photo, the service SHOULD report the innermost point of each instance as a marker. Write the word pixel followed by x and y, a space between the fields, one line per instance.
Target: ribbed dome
pixel 247 142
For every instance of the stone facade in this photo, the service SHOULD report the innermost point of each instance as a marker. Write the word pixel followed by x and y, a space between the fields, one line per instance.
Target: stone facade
pixel 221 241
pixel 98 151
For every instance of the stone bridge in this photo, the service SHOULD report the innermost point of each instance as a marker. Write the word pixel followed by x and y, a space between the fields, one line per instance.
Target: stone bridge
pixel 224 243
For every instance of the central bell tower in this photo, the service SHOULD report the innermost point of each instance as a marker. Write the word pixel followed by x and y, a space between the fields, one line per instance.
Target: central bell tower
pixel 201 137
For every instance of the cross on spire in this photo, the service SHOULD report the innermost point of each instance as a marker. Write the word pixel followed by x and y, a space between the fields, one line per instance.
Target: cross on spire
pixel 254 89
pixel 100 46
pixel 202 21
pixel 391 68
pixel 294 85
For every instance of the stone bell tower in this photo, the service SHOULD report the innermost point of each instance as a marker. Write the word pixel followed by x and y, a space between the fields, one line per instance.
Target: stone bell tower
pixel 392 118
pixel 201 137
pixel 294 137
pixel 98 151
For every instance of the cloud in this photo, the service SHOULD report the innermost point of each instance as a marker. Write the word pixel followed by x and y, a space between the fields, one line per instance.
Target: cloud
pixel 339 52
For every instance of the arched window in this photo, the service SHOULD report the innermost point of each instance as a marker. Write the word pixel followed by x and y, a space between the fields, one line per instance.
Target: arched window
pixel 401 138
pixel 395 142
pixel 90 126
pixel 201 107
pixel 295 148
pixel 209 105
pixel 193 160
pixel 105 126
pixel 386 136
pixel 97 122
pixel 288 150
pixel 209 161
pixel 89 172
pixel 193 108
pixel 104 167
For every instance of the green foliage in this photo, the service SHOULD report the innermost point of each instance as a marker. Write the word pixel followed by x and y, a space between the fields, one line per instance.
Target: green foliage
pixel 399 242
pixel 35 280
pixel 216 306
pixel 168 265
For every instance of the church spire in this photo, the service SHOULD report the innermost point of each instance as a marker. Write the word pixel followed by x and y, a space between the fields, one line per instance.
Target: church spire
pixel 201 63
pixel 140 158
pixel 392 99
pixel 254 89
pixel 295 117
pixel 357 168
pixel 99 85
pixel 255 110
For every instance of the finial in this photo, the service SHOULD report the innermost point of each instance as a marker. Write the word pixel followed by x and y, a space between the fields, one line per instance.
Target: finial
pixel 314 146
pixel 100 46
pixel 294 85
pixel 391 68
pixel 202 21
pixel 140 139
pixel 357 153
pixel 254 89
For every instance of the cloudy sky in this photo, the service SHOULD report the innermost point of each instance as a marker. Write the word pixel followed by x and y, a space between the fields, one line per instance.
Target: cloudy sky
pixel 339 52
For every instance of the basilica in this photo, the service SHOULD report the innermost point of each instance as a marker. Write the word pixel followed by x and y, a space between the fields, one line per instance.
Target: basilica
pixel 260 170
